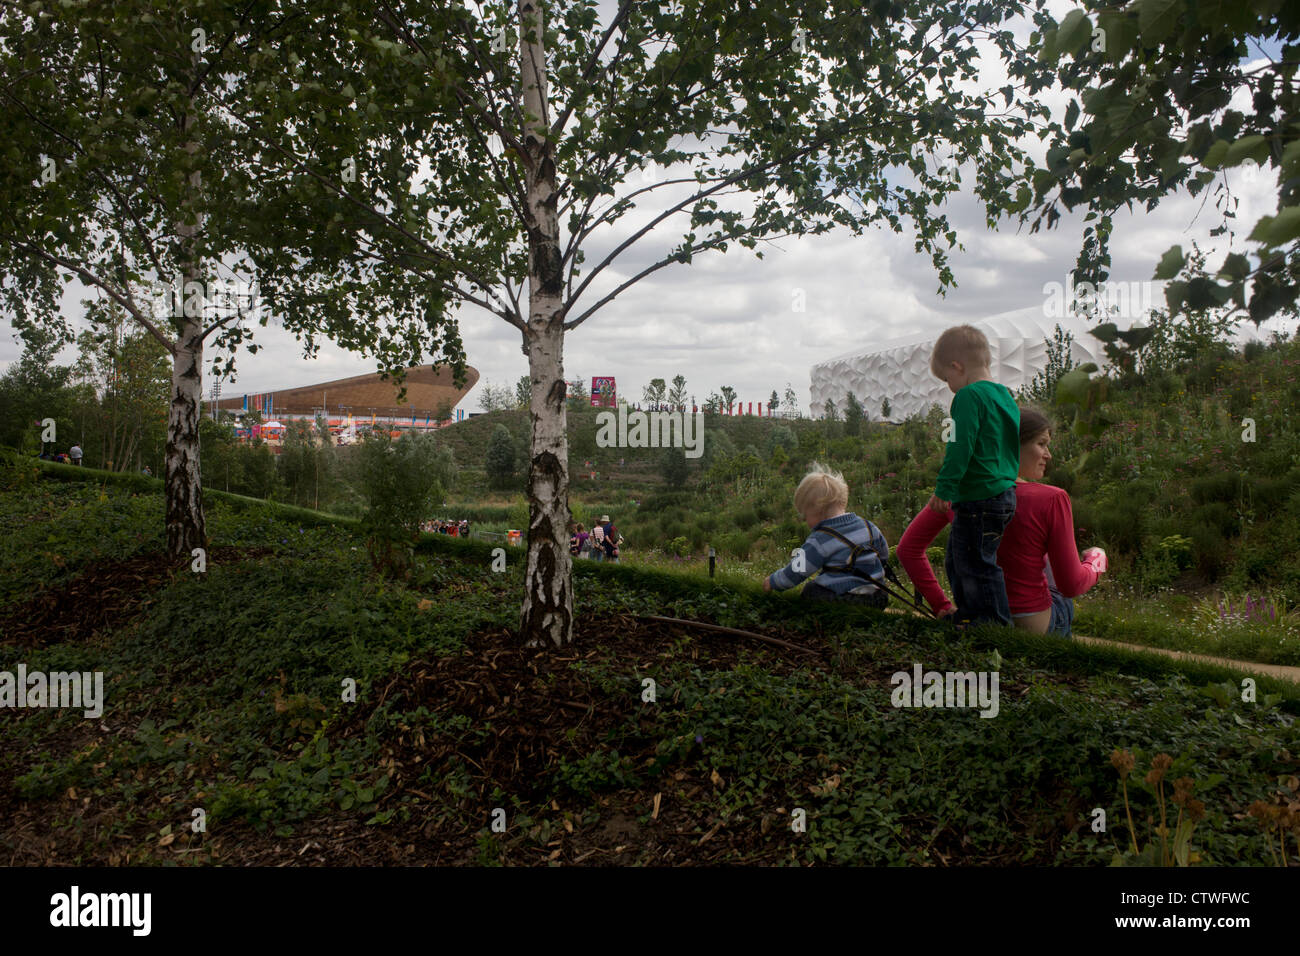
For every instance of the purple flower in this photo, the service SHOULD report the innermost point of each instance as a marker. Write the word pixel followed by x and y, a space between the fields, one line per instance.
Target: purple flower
pixel 699 738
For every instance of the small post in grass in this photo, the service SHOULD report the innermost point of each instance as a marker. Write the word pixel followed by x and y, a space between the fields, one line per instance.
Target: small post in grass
pixel 713 556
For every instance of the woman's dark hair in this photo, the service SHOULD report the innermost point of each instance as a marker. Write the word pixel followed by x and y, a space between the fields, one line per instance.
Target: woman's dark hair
pixel 1032 424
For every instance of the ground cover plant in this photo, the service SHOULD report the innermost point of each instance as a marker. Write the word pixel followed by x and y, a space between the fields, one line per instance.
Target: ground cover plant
pixel 230 693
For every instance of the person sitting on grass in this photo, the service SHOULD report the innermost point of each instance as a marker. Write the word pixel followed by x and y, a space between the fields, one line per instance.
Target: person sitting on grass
pixel 1041 568
pixel 848 552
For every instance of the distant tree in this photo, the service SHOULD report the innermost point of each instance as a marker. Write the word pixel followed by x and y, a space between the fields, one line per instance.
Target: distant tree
pixel 781 437
pixel 674 468
pixel 853 415
pixel 791 403
pixel 713 403
pixel 773 403
pixel 728 398
pixel 34 389
pixel 127 375
pixel 502 459
pixel 579 397
pixel 496 398
pixel 523 392
pixel 718 447
pixel 1043 385
pixel 401 482
pixel 655 394
pixel 829 412
pixel 677 396
pixel 885 409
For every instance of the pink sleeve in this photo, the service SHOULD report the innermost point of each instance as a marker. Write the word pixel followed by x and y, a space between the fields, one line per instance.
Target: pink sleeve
pixel 1073 577
pixel 925 527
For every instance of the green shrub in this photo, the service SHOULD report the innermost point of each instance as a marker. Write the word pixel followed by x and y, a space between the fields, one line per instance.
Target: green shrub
pixel 1177 549
pixel 734 543
pixel 1120 524
pixel 1273 492
pixel 1219 516
pixel 1221 487
pixel 400 481
pixel 1210 551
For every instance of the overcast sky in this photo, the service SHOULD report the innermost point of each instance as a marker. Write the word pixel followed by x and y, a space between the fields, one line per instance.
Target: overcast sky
pixel 727 319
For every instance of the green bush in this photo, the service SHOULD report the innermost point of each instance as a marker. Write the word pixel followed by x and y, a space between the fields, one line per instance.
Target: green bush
pixel 501 462
pixel 1273 492
pixel 1219 516
pixel 400 482
pixel 1120 524
pixel 1210 551
pixel 734 543
pixel 1220 487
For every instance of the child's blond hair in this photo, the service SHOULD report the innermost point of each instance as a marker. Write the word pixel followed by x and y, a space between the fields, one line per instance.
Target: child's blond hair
pixel 961 343
pixel 823 490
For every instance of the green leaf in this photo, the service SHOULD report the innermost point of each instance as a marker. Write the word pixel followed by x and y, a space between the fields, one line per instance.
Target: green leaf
pixel 1072 387
pixel 1074 29
pixel 1171 263
pixel 1175 293
pixel 1278 230
pixel 1235 266
pixel 1157 19
pixel 1106 332
pixel 1248 147
pixel 1215 154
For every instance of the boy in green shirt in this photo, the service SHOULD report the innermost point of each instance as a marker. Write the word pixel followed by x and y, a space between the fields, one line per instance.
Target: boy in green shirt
pixel 978 477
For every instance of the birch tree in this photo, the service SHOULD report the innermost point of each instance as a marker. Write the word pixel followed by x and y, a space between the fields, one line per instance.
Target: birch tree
pixel 122 170
pixel 566 136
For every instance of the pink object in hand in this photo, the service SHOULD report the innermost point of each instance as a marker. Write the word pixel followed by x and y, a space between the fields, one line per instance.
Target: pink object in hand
pixel 1096 559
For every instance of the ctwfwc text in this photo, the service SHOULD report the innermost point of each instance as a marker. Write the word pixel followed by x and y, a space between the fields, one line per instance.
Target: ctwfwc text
pixel 102 909
pixel 57 689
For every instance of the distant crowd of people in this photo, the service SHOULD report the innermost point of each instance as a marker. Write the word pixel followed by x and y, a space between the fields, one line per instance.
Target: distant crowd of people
pixel 71 457
pixel 457 529
pixel 599 544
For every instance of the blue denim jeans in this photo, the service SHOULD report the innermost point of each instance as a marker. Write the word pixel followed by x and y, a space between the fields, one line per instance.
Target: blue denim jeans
pixel 1062 613
pixel 971 558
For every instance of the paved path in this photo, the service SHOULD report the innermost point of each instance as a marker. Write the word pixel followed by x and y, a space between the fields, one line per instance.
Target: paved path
pixel 1272 670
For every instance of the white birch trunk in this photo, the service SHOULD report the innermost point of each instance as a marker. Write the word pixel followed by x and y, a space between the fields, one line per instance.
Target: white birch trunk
pixel 547 613
pixel 182 484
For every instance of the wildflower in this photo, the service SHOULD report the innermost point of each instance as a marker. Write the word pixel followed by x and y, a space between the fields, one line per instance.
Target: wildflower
pixel 1183 790
pixel 1159 764
pixel 1122 761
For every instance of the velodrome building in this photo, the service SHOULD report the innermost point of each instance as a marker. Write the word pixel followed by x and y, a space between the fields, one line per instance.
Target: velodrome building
pixel 430 394
pixel 899 369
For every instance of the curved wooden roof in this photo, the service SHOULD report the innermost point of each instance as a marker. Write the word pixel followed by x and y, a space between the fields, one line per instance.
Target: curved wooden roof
pixel 428 390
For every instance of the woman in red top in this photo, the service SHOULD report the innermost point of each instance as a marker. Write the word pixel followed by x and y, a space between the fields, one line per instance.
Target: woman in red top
pixel 1037 554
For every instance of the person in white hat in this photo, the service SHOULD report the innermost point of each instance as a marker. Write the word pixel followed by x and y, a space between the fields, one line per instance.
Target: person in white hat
pixel 610 538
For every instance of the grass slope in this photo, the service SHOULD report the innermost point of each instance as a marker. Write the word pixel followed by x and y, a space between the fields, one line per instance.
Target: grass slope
pixel 225 693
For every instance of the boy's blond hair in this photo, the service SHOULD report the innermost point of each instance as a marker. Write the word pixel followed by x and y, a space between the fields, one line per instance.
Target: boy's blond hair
pixel 961 343
pixel 823 490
